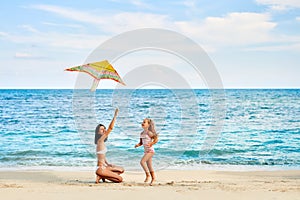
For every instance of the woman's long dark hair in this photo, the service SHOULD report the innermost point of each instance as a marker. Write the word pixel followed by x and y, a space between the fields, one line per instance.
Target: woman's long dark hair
pixel 97 135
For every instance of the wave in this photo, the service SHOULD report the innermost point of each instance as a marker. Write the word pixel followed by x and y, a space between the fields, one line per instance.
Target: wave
pixel 273 142
pixel 238 162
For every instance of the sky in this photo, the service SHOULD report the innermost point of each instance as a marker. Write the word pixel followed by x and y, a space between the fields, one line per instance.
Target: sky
pixel 252 43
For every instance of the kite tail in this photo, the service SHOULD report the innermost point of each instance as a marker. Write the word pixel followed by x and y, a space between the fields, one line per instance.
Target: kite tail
pixel 95 85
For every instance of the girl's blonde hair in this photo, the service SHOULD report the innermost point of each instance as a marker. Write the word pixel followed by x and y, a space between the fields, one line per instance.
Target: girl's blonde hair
pixel 152 127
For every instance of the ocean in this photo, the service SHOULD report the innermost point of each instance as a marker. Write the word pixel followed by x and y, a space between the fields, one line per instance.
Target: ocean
pixel 245 129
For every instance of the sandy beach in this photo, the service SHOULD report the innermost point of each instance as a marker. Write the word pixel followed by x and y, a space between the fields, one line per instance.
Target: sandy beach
pixel 185 184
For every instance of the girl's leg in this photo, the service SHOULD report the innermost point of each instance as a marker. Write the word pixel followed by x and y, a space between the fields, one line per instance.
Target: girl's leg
pixel 144 159
pixel 152 178
pixel 150 167
pixel 149 164
pixel 147 177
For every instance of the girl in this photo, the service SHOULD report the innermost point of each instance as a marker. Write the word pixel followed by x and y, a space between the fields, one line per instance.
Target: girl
pixel 148 138
pixel 105 170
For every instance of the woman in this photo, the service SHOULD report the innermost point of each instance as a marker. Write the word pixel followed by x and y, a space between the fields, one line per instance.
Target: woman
pixel 106 170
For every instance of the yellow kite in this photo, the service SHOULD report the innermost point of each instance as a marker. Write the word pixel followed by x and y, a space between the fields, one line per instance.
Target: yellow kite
pixel 98 70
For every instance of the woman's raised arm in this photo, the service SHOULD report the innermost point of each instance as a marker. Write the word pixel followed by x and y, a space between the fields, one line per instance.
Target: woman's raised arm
pixel 112 123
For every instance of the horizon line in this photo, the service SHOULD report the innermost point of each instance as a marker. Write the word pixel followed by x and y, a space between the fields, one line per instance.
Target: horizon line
pixel 228 88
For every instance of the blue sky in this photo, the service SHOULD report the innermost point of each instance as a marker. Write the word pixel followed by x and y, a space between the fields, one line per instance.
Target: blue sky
pixel 253 43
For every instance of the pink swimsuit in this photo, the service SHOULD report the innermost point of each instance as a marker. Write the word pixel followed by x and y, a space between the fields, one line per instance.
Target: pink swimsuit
pixel 146 139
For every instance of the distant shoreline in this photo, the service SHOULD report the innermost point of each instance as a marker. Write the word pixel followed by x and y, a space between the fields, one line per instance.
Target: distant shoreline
pixel 229 168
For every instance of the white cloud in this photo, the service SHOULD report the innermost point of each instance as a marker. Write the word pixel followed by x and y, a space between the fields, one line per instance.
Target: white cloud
pixel 71 14
pixel 29 28
pixel 45 40
pixel 113 23
pixel 280 5
pixel 26 55
pixel 191 4
pixel 233 29
pixel 126 21
pixel 137 3
pixel 22 55
pixel 63 25
pixel 278 47
pixel 140 4
pixel 3 34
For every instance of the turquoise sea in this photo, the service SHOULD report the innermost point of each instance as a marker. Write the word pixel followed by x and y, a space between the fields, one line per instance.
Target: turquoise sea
pixel 54 129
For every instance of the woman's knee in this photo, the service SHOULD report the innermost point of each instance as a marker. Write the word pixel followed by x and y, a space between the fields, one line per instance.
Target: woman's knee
pixel 99 172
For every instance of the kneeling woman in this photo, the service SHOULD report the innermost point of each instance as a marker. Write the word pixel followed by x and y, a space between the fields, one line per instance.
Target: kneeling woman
pixel 105 170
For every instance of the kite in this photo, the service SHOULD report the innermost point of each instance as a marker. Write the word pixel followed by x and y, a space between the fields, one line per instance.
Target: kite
pixel 98 70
